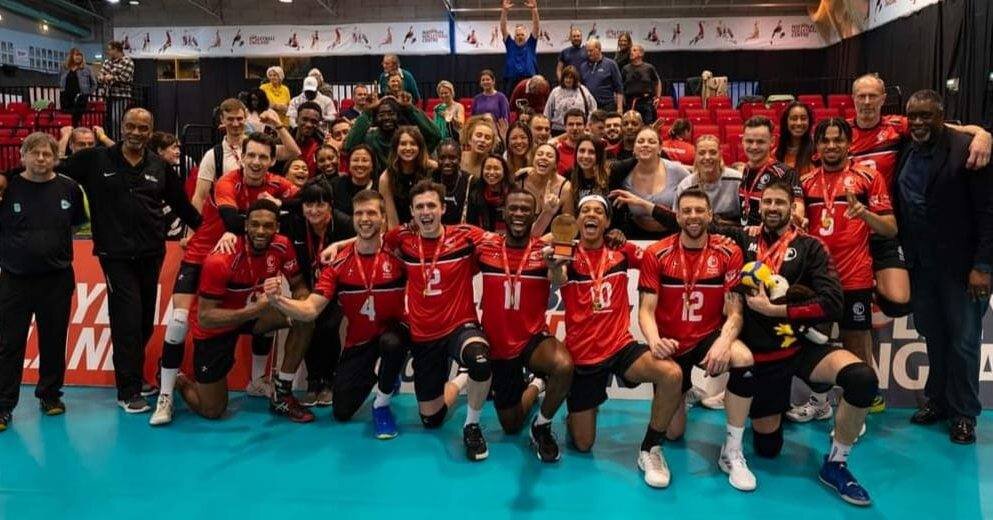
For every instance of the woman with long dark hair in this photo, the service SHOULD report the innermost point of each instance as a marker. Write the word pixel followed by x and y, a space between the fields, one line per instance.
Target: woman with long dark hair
pixel 589 175
pixel 795 146
pixel 520 146
pixel 487 193
pixel 408 163
pixel 646 180
pixel 77 83
pixel 554 193
pixel 361 172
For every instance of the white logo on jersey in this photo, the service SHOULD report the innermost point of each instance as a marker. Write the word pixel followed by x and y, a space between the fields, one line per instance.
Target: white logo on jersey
pixel 790 254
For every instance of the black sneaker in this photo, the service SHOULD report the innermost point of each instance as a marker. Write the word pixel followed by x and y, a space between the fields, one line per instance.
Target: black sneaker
pixel 546 447
pixel 5 419
pixel 52 406
pixel 148 389
pixel 136 404
pixel 475 444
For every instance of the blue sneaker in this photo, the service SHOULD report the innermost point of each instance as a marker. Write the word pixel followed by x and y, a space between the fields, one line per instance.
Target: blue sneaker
pixel 384 423
pixel 836 476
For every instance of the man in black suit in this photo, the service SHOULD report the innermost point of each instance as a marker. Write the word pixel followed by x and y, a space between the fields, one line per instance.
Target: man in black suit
pixel 945 215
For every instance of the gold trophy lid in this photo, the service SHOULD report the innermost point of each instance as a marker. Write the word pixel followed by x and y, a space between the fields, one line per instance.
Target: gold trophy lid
pixel 564 228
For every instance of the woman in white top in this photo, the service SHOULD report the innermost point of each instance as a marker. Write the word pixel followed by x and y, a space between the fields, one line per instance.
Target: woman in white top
pixel 568 95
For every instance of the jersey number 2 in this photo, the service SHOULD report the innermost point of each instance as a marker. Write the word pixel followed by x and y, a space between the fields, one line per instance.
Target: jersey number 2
pixel 430 289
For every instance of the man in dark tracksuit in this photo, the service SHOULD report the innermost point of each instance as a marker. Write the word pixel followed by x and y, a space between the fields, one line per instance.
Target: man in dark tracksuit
pixel 128 186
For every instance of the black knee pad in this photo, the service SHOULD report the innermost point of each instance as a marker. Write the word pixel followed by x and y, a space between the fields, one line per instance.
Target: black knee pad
pixel 344 412
pixel 892 308
pixel 741 382
pixel 476 359
pixel 172 355
pixel 859 384
pixel 261 345
pixel 768 445
pixel 436 420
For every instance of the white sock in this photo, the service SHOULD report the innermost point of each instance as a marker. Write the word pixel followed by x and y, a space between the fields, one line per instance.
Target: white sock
pixel 472 416
pixel 541 420
pixel 286 376
pixel 538 383
pixel 733 439
pixel 819 397
pixel 839 451
pixel 168 380
pixel 381 399
pixel 259 364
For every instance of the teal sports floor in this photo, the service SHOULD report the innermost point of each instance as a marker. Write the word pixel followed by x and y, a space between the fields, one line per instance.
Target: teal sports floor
pixel 98 462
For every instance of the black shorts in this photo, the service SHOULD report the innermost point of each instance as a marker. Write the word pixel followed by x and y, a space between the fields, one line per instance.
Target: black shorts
pixel 589 382
pixel 693 358
pixel 857 312
pixel 431 360
pixel 214 357
pixel 509 381
pixel 774 380
pixel 886 253
pixel 187 278
pixel 356 374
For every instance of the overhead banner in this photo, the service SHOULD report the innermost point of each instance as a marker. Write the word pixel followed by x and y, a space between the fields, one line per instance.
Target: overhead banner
pixel 837 19
pixel 284 40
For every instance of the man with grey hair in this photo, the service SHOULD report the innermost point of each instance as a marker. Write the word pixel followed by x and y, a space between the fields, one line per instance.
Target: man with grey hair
pixel 602 77
pixel 39 210
pixel 391 65
pixel 945 215
pixel 642 84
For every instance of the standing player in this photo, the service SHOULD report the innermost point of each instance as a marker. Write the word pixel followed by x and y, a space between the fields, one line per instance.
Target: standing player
pixel 597 325
pixel 223 217
pixel 368 285
pixel 232 302
pixel 761 169
pixel 781 350
pixel 845 204
pixel 686 284
pixel 515 296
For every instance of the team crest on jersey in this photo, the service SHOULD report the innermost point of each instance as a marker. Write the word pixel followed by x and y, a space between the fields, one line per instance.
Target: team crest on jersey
pixel 17 207
pixel 790 254
pixel 849 181
pixel 765 178
pixel 880 137
pixel 753 247
pixel 270 263
pixel 64 204
pixel 712 266
pixel 387 269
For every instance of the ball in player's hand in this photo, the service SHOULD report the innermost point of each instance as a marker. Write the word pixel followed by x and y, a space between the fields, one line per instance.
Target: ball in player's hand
pixel 755 274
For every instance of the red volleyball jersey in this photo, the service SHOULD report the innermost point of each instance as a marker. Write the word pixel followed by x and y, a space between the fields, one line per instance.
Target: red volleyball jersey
pixel 369 289
pixel 513 305
pixel 847 240
pixel 691 285
pixel 597 312
pixel 236 279
pixel 877 147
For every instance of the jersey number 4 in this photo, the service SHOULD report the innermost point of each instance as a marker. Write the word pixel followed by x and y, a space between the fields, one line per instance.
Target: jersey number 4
pixel 368 308
pixel 691 307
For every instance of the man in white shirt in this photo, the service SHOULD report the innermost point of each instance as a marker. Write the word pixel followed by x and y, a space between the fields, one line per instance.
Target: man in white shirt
pixel 310 93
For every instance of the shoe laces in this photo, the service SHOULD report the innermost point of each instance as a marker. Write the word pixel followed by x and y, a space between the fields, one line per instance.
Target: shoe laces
pixel 654 461
pixel 474 434
pixel 735 459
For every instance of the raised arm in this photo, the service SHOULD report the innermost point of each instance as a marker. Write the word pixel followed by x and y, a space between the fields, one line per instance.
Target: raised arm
pixel 507 4
pixel 535 22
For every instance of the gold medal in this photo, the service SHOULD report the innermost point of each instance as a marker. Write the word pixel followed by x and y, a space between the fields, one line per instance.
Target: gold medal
pixel 827 221
pixel 597 306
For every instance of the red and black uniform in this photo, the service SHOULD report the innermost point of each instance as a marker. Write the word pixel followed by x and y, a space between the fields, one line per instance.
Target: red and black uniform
pixel 679 151
pixel 567 156
pixel 691 285
pixel 846 239
pixel 235 280
pixel 598 322
pixel 223 211
pixel 439 310
pixel 754 181
pixel 514 301
pixel 369 290
pixel 779 345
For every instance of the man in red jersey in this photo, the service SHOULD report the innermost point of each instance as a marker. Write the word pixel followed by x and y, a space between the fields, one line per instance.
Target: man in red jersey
pixel 597 320
pixel 368 284
pixel 440 313
pixel 686 285
pixel 223 216
pixel 231 302
pixel 515 297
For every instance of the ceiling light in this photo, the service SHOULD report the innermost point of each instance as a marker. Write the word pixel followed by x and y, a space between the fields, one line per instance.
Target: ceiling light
pixel 286 1
pixel 134 2
pixel 44 26
pixel 113 1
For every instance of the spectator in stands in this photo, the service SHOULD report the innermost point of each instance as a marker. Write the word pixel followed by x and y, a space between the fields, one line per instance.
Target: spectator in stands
pixel 623 55
pixel 530 93
pixel 596 124
pixel 525 115
pixel 565 144
pixel 335 138
pixel 449 173
pixel 255 102
pixel 394 85
pixel 166 146
pixel 479 139
pixel 77 83
pixel 449 115
pixel 308 134
pixel 310 93
pixel 719 182
pixel 574 54
pixel 589 175
pixel 795 146
pixel 631 124
pixel 487 195
pixel 553 191
pixel 322 87
pixel 328 159
pixel 678 145
pixel 277 93
pixel 490 101
pixel 385 114
pixel 117 77
pixel 571 94
pixel 541 129
pixel 296 171
pixel 601 75
pixel 409 162
pixel 522 48
pixel 72 140
pixel 362 170
pixel 359 95
pixel 520 146
pixel 612 134
pixel 642 85
pixel 391 65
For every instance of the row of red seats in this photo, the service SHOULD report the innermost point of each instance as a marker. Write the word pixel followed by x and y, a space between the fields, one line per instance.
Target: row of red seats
pixel 725 116
pixel 811 100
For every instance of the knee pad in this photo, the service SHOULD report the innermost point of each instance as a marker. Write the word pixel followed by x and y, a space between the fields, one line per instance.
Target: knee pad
pixel 177 327
pixel 768 444
pixel 172 355
pixel 741 382
pixel 261 345
pixel 859 384
pixel 892 308
pixel 475 356
pixel 435 420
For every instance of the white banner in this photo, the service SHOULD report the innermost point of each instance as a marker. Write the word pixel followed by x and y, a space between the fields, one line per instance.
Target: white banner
pixel 285 40
pixel 885 11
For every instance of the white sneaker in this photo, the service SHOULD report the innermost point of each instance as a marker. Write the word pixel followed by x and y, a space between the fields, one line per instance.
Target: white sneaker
pixel 163 411
pixel 260 387
pixel 655 468
pixel 714 402
pixel 733 463
pixel 809 411
pixel 861 433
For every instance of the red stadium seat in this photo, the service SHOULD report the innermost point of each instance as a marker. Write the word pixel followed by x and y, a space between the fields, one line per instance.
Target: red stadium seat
pixel 430 104
pixel 718 102
pixel 667 115
pixel 347 104
pixel 699 130
pixel 771 113
pixel 698 116
pixel 731 133
pixel 849 112
pixel 21 108
pixel 811 100
pixel 727 153
pixel 840 101
pixel 690 102
pixel 467 104
pixel 49 119
pixel 725 116
pixel 664 132
pixel 96 106
pixel 10 120
pixel 746 109
pixel 666 102
pixel 821 114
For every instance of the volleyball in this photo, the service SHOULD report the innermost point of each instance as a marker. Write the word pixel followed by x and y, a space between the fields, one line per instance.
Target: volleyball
pixel 755 273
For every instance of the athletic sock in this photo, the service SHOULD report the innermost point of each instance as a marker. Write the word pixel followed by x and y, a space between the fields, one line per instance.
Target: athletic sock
pixel 284 384
pixel 733 440
pixel 839 451
pixel 259 364
pixel 382 399
pixel 460 380
pixel 541 420
pixel 472 416
pixel 538 383
pixel 168 383
pixel 653 438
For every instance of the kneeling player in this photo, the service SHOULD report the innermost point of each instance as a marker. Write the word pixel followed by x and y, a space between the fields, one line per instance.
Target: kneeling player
pixel 774 333
pixel 231 302
pixel 597 320
pixel 514 301
pixel 368 283
pixel 686 284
